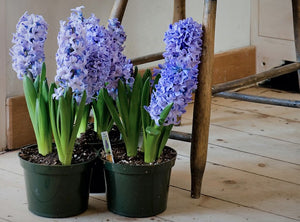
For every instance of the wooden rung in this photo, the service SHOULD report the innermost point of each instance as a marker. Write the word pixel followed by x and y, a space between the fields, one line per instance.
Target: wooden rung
pixel 278 71
pixel 147 58
pixel 260 99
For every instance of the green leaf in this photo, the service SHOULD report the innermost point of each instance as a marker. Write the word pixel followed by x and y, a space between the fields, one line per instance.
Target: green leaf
pixel 136 70
pixel 114 113
pixel 147 74
pixel 146 119
pixel 134 115
pixel 164 114
pixel 53 106
pixel 78 119
pixel 122 104
pixel 153 131
pixel 163 138
pixel 43 73
pixel 156 82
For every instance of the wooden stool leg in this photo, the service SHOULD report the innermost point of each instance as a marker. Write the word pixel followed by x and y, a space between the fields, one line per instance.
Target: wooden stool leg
pixel 202 105
pixel 179 10
pixel 178 14
pixel 296 21
pixel 118 9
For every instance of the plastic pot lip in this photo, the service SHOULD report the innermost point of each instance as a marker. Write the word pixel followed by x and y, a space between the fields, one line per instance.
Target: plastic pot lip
pixel 55 169
pixel 124 168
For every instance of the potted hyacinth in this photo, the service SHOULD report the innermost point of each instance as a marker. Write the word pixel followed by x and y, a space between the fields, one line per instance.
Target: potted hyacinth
pixel 58 176
pixel 105 60
pixel 139 176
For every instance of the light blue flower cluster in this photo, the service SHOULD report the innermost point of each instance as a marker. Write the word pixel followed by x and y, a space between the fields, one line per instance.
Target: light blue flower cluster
pixel 28 49
pixel 121 67
pixel 90 57
pixel 180 71
pixel 72 54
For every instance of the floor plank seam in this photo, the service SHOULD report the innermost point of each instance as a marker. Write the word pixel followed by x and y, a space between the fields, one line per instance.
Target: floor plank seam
pixel 254 154
pixel 255 134
pixel 252 111
pixel 245 171
pixel 246 152
pixel 163 219
pixel 232 202
pixel 251 207
pixel 97 198
pixel 6 220
pixel 12 172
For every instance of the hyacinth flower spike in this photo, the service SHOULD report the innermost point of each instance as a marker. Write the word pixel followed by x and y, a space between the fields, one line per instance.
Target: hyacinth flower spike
pixel 173 92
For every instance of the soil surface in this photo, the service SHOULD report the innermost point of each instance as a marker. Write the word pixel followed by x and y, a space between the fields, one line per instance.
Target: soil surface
pixel 120 156
pixel 86 148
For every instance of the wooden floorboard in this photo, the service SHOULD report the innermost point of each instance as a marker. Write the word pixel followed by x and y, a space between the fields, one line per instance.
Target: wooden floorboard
pixel 252 172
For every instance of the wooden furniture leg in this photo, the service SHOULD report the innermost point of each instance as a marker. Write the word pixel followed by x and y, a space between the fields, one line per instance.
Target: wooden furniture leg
pixel 202 105
pixel 118 9
pixel 296 21
pixel 179 10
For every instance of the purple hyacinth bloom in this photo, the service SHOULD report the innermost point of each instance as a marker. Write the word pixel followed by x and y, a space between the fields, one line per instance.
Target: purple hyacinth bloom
pixel 121 67
pixel 90 57
pixel 28 50
pixel 71 56
pixel 183 42
pixel 180 71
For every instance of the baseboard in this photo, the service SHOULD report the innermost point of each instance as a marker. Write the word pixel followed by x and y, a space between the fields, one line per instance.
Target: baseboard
pixel 19 130
pixel 229 65
pixel 234 64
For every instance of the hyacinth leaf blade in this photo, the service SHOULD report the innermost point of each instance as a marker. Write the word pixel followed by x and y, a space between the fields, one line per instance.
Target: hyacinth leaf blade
pixel 65 122
pixel 155 136
pixel 53 107
pixel 134 117
pixel 78 116
pixel 164 114
pixel 36 82
pixel 155 82
pixel 84 120
pixel 102 118
pixel 151 144
pixel 38 112
pixel 44 139
pixel 122 104
pixel 147 74
pixel 43 72
pixel 30 96
pixel 146 119
pixel 164 138
pixel 114 113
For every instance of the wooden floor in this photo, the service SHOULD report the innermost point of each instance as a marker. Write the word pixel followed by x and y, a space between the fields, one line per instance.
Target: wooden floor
pixel 252 173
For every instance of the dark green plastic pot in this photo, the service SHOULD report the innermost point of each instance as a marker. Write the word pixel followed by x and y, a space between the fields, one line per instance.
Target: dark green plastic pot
pixel 97 181
pixel 57 191
pixel 137 191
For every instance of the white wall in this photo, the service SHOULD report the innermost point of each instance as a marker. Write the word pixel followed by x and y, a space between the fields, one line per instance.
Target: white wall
pixel 145 22
pixel 3 68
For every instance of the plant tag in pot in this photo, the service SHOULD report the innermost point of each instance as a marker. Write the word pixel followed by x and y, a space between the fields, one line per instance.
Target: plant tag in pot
pixel 107 146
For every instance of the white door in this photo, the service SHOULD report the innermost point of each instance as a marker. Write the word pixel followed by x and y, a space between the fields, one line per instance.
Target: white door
pixel 272 32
